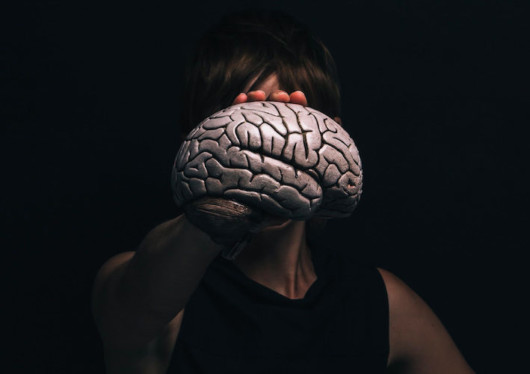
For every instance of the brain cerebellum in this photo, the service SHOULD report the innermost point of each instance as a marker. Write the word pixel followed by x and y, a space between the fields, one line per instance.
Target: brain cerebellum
pixel 286 159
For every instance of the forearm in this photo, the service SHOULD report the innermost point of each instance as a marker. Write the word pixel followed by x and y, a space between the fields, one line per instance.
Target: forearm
pixel 167 267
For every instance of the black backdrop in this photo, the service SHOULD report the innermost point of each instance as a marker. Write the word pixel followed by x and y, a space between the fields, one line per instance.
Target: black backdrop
pixel 432 95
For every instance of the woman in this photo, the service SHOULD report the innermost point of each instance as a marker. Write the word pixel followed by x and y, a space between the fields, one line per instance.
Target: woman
pixel 282 305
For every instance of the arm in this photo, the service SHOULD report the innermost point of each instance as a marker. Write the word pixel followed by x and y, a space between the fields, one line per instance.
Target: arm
pixel 136 295
pixel 419 343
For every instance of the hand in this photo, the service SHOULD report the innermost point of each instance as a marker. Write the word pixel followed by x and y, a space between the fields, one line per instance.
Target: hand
pixel 297 97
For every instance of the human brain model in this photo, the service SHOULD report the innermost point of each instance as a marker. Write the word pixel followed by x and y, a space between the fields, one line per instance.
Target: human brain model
pixel 286 159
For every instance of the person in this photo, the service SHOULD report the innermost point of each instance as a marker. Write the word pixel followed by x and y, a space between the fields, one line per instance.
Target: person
pixel 283 304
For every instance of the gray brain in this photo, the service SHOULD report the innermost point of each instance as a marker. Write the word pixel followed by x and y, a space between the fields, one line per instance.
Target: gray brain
pixel 289 160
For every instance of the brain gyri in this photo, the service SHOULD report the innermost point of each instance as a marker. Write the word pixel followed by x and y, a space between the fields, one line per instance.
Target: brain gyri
pixel 289 160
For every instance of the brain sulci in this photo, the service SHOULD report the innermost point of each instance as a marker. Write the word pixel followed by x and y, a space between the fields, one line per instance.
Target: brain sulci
pixel 289 160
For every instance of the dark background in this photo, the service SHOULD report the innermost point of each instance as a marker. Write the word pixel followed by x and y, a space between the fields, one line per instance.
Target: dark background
pixel 433 94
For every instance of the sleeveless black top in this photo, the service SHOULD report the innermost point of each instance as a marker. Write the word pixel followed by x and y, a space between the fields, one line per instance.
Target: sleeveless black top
pixel 233 324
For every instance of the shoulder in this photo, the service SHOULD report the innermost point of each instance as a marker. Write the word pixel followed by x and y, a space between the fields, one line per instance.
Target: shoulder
pixel 401 298
pixel 110 266
pixel 103 283
pixel 151 357
pixel 418 340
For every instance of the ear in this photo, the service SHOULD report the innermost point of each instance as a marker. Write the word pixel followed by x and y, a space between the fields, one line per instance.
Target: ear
pixel 338 120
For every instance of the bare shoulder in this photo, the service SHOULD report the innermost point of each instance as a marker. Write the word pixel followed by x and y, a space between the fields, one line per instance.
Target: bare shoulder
pixel 103 283
pixel 152 357
pixel 109 266
pixel 419 342
pixel 402 299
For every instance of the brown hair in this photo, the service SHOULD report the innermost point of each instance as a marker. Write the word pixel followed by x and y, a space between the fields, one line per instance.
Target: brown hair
pixel 251 45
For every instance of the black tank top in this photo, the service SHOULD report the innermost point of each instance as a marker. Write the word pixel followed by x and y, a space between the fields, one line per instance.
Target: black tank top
pixel 233 324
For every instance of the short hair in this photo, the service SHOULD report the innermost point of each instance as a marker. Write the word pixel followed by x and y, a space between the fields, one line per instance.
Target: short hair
pixel 251 45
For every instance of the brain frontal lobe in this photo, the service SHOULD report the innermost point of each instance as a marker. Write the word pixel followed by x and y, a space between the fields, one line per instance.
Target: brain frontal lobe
pixel 289 160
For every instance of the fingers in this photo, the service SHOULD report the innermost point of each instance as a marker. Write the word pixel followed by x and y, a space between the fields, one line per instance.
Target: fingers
pixel 280 96
pixel 298 97
pixel 257 95
pixel 240 99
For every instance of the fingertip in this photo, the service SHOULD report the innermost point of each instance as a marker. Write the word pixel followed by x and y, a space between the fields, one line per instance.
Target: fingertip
pixel 279 95
pixel 257 95
pixel 298 97
pixel 241 98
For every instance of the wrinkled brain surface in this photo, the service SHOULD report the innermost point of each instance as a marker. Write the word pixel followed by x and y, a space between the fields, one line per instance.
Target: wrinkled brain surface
pixel 289 160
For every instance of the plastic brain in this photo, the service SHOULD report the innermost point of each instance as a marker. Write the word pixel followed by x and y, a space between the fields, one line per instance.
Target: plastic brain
pixel 289 160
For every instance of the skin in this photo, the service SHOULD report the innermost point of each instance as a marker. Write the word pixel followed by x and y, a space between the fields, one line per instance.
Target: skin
pixel 139 297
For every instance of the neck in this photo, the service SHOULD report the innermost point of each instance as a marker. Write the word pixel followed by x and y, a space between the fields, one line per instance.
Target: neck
pixel 279 258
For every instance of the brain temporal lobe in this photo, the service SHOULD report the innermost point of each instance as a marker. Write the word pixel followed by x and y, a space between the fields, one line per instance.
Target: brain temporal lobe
pixel 289 160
